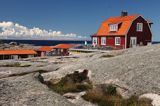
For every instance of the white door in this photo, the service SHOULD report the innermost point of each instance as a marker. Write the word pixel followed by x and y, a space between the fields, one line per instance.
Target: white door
pixel 133 41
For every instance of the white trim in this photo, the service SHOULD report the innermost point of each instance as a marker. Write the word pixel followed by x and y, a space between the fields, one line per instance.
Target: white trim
pixel 131 25
pixel 113 27
pixel 139 27
pixel 132 38
pixel 149 27
pixel 150 30
pixel 129 29
pixel 116 40
pixel 103 40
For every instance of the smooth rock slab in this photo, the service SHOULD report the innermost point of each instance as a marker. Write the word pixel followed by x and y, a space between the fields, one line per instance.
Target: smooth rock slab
pixel 28 91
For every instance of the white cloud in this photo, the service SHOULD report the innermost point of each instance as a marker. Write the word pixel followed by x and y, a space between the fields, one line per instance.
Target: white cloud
pixel 10 29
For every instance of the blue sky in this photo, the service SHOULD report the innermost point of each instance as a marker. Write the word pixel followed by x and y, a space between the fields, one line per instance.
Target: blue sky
pixel 82 17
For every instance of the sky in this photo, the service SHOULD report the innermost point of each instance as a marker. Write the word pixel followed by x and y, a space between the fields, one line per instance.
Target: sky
pixel 71 17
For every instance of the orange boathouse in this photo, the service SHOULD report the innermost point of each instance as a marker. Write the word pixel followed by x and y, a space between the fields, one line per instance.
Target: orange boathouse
pixel 45 51
pixel 123 32
pixel 16 54
pixel 62 49
pixel 57 50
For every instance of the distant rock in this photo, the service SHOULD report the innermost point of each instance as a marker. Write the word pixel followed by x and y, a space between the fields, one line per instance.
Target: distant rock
pixel 13 43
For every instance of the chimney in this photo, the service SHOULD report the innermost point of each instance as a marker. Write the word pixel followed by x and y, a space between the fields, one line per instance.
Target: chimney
pixel 124 13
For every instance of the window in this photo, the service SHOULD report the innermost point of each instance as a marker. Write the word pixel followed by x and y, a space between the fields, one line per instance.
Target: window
pixel 139 27
pixel 117 40
pixel 113 27
pixel 103 40
pixel 95 41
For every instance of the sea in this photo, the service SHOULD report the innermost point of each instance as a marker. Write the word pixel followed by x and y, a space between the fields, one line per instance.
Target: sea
pixel 52 42
pixel 46 42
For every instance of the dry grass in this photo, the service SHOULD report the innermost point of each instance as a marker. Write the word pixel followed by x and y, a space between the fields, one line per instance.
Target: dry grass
pixel 98 96
pixel 76 82
pixel 65 88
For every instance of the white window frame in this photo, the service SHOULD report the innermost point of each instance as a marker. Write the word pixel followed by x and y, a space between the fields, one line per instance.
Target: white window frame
pixel 116 40
pixel 113 27
pixel 103 40
pixel 139 27
pixel 95 41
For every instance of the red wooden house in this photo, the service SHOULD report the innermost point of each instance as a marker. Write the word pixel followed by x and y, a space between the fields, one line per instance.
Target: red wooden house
pixel 123 32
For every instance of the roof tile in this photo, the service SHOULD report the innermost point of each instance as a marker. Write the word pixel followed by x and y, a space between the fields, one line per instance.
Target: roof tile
pixel 125 22
pixel 63 46
pixel 17 52
pixel 45 48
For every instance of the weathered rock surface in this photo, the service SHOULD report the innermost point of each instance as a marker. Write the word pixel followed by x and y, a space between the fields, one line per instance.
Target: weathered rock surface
pixel 28 91
pixel 133 71
pixel 77 99
pixel 25 67
pixel 138 69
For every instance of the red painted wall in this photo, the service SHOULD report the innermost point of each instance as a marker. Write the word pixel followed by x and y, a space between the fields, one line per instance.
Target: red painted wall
pixel 99 40
pixel 110 41
pixel 144 37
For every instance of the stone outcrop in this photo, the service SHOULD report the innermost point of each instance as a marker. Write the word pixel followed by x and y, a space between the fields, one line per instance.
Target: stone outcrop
pixel 28 91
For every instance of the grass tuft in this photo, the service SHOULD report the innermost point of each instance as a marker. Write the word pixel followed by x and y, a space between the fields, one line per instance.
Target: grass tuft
pixel 111 90
pixel 109 97
pixel 76 82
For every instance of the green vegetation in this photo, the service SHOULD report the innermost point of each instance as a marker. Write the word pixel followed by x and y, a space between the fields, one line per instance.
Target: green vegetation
pixel 102 95
pixel 65 88
pixel 111 90
pixel 75 82
pixel 109 97
pixel 135 101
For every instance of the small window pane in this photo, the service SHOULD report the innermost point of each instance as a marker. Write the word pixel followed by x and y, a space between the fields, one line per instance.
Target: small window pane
pixel 139 26
pixel 113 27
pixel 103 41
pixel 117 41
